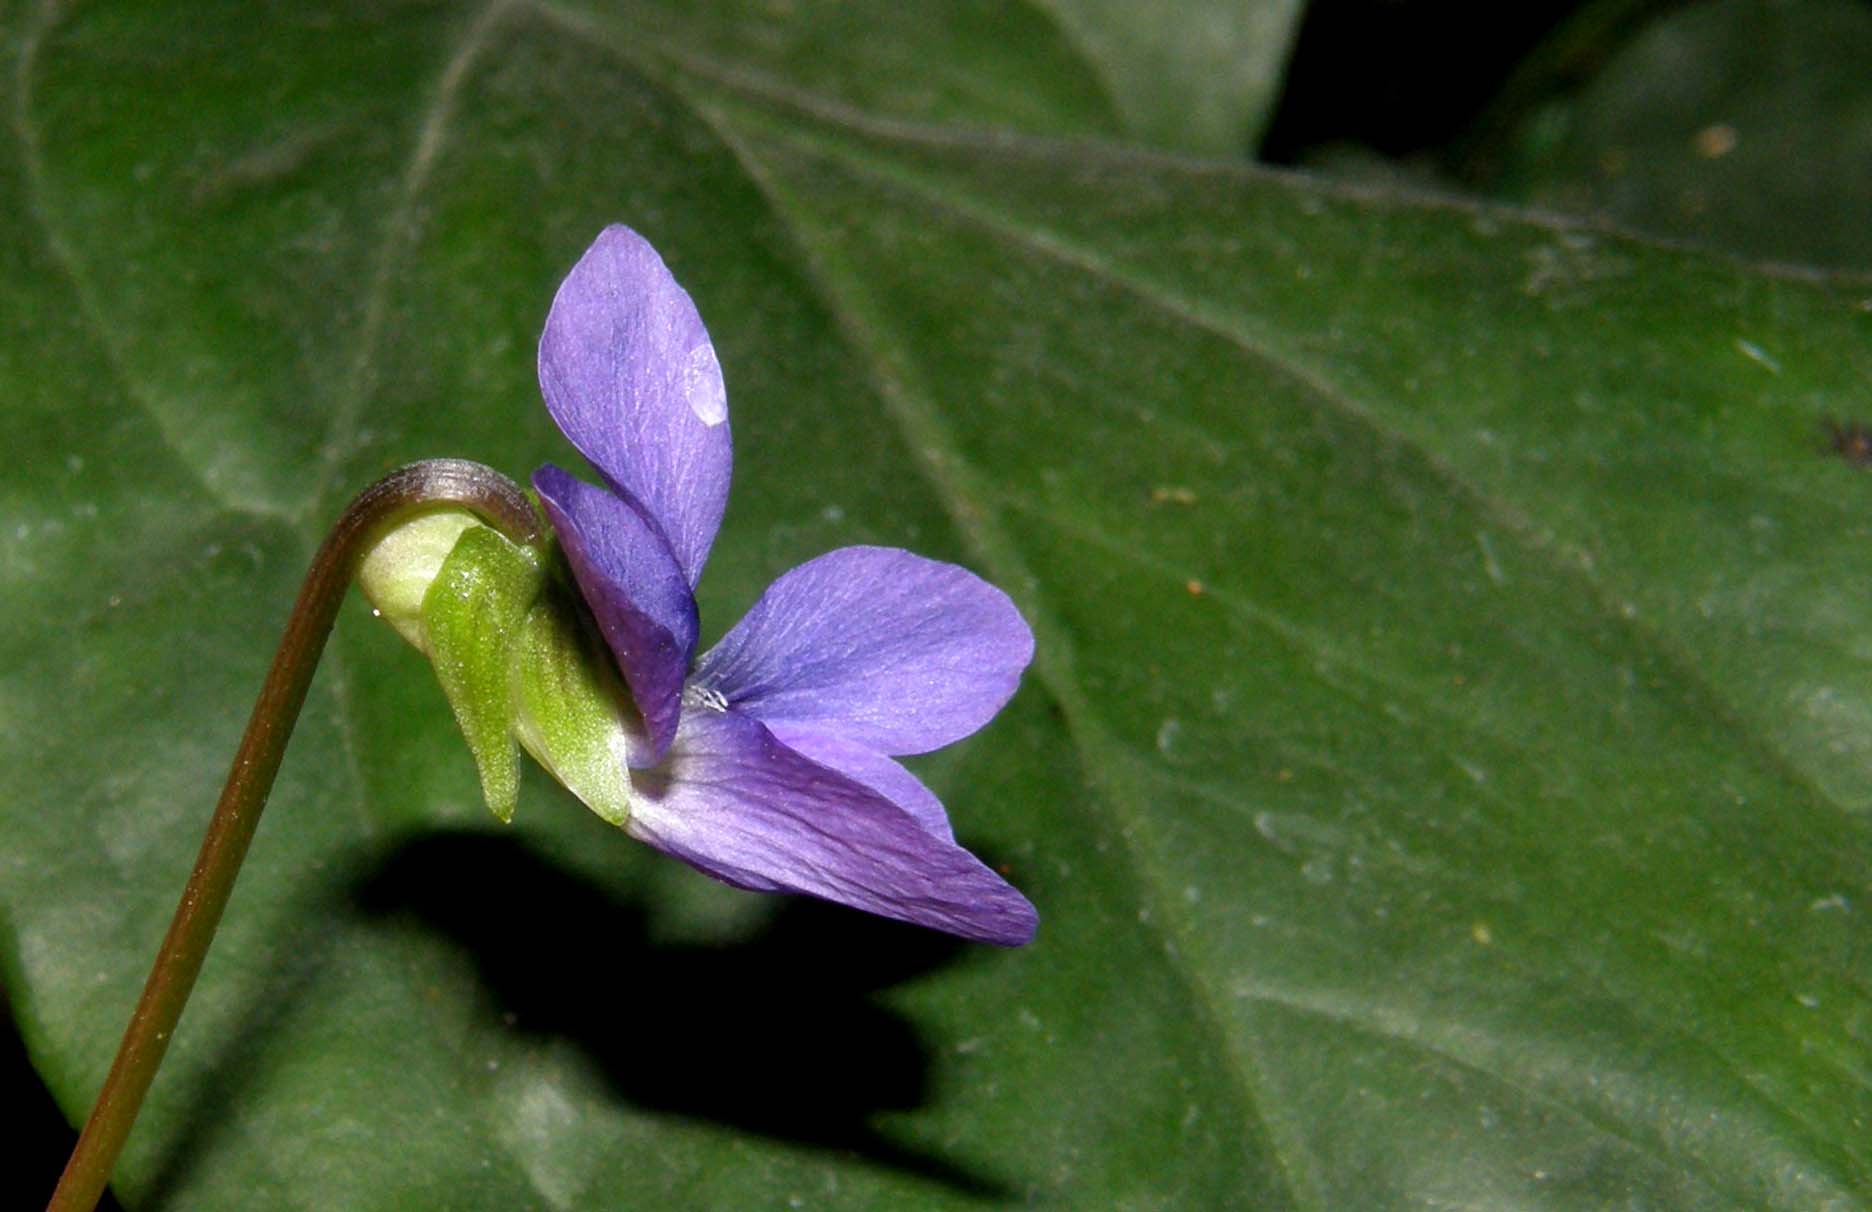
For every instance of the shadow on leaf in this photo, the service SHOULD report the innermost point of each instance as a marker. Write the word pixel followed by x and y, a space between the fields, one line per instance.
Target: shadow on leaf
pixel 777 1035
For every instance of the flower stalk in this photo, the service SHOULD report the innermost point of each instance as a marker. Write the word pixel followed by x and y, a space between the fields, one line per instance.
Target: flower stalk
pixel 410 490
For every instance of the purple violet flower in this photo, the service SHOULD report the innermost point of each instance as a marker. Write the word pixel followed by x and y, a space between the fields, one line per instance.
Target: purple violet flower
pixel 766 763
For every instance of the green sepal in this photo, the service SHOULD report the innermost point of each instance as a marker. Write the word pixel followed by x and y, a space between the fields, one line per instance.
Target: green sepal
pixel 472 618
pixel 575 715
pixel 515 653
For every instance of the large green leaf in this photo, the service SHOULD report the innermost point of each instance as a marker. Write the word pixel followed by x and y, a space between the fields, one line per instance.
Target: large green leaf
pixel 1443 777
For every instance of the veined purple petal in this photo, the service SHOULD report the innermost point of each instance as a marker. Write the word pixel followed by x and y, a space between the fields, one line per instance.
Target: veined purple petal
pixel 635 590
pixel 871 768
pixel 733 801
pixel 899 653
pixel 629 375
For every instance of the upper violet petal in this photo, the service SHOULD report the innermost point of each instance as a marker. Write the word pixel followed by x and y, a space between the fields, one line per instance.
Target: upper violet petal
pixel 882 775
pixel 733 801
pixel 873 644
pixel 635 589
pixel 629 375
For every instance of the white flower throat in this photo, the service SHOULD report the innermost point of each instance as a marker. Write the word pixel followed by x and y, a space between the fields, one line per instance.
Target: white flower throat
pixel 696 695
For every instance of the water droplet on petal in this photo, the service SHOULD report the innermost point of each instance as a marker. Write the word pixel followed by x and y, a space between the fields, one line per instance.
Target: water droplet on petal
pixel 702 386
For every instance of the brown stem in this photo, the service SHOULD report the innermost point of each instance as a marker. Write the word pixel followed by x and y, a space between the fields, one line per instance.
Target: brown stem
pixel 391 500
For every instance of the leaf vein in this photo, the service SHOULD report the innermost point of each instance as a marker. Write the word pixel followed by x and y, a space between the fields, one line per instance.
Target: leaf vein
pixel 1399 1027
pixel 401 228
pixel 26 131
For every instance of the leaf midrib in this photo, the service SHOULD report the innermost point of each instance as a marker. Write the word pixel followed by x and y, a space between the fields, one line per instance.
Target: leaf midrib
pixel 941 464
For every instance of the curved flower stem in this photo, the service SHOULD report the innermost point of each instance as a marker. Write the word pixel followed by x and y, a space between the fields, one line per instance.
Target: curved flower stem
pixel 391 500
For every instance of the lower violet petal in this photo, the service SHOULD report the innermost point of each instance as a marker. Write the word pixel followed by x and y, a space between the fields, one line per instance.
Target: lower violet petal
pixel 736 803
pixel 635 589
pixel 873 769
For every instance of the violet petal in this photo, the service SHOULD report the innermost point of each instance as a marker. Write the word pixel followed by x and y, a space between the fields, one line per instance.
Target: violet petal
pixel 894 651
pixel 734 802
pixel 882 775
pixel 634 588
pixel 629 375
